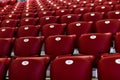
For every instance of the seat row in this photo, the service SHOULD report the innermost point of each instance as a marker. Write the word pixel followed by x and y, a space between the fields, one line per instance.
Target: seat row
pixel 74 28
pixel 61 68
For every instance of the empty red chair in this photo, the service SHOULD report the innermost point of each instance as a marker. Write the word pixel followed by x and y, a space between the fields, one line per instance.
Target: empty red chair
pixel 45 13
pixel 108 26
pixel 79 28
pixel 4 64
pixel 12 16
pixel 117 42
pixel 28 21
pixel 6 45
pixel 9 23
pixel 28 68
pixel 59 45
pixel 92 16
pixel 7 32
pixel 28 15
pixel 28 46
pixel 71 68
pixel 111 3
pixel 58 7
pixel 113 15
pixel 53 29
pixel 70 18
pixel 108 67
pixel 82 10
pixel 63 12
pixel 48 19
pixel 117 7
pixel 28 30
pixel 103 8
pixel 94 44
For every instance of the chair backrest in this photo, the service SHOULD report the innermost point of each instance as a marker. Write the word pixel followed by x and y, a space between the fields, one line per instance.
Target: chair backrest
pixel 28 46
pixel 71 68
pixel 28 68
pixel 59 45
pixel 108 67
pixel 53 29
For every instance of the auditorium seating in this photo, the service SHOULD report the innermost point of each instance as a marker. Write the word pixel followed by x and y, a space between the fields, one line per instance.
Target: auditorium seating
pixel 60 29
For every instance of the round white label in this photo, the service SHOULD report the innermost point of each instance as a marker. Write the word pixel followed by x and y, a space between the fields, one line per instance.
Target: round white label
pixel 26 40
pixel 24 63
pixel 92 37
pixel 78 24
pixel 69 62
pixel 51 26
pixel 117 61
pixel 58 38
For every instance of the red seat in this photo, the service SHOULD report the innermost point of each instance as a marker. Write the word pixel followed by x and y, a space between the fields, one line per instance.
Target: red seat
pixel 103 8
pixel 82 10
pixel 113 15
pixel 9 23
pixel 79 28
pixel 28 68
pixel 63 12
pixel 12 16
pixel 117 42
pixel 48 19
pixel 92 16
pixel 4 64
pixel 94 44
pixel 28 15
pixel 108 67
pixel 53 29
pixel 108 25
pixel 45 13
pixel 59 45
pixel 28 30
pixel 70 18
pixel 7 32
pixel 29 21
pixel 28 46
pixel 71 68
pixel 6 45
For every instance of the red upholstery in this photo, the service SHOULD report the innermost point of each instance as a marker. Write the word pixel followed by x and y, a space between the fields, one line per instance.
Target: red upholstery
pixel 48 19
pixel 25 68
pixel 70 18
pixel 6 45
pixel 28 46
pixel 71 68
pixel 108 25
pixel 59 45
pixel 28 30
pixel 94 44
pixel 9 23
pixel 29 21
pixel 108 68
pixel 53 29
pixel 117 42
pixel 7 32
pixel 113 15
